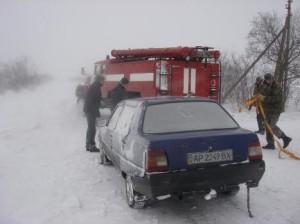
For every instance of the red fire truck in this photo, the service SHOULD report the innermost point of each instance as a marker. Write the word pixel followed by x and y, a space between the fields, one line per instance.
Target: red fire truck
pixel 176 71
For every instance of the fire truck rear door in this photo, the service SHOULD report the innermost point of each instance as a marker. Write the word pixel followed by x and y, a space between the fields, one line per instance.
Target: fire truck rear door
pixel 189 81
pixel 177 81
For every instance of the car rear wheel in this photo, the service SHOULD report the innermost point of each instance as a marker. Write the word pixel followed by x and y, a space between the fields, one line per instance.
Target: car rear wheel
pixel 133 198
pixel 231 191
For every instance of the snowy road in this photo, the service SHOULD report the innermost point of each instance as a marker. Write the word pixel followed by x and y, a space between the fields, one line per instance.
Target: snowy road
pixel 47 177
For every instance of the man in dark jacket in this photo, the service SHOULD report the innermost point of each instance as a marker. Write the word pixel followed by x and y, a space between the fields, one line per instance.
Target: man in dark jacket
pixel 119 93
pixel 273 106
pixel 258 89
pixel 91 110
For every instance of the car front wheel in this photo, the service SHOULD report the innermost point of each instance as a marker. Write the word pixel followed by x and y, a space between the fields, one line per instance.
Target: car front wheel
pixel 102 156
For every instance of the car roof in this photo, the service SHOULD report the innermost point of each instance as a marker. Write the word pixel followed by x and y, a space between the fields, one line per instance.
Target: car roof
pixel 166 99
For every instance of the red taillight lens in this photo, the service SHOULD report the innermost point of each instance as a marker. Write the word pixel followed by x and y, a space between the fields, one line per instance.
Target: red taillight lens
pixel 156 161
pixel 254 151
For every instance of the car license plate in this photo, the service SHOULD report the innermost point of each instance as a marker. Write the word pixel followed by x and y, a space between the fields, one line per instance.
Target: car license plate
pixel 209 157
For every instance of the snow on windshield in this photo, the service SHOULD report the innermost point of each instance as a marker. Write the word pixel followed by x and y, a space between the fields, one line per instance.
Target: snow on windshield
pixel 186 116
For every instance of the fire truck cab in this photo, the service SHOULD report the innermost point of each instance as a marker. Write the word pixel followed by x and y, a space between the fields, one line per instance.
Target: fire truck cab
pixel 176 71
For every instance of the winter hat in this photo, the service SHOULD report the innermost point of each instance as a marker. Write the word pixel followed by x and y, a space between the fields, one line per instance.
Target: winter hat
pixel 99 78
pixel 258 79
pixel 268 76
pixel 124 81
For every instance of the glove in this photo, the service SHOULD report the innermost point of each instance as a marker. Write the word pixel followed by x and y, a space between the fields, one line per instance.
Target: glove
pixel 260 97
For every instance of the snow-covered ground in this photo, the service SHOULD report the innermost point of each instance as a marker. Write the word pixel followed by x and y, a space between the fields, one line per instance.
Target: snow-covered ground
pixel 46 176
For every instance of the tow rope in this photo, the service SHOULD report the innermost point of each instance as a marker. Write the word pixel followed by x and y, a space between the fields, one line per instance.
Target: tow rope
pixel 253 100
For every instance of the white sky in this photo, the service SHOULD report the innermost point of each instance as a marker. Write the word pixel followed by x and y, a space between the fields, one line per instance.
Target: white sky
pixel 60 36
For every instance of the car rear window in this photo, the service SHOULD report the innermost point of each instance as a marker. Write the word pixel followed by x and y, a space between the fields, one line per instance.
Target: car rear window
pixel 186 116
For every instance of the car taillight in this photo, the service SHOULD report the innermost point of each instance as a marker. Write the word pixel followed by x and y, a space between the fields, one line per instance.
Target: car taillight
pixel 156 161
pixel 254 151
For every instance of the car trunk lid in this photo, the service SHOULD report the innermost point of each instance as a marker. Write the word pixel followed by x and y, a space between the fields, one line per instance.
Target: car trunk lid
pixel 200 149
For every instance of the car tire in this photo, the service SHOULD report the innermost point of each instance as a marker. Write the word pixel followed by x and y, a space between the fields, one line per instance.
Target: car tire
pixel 230 192
pixel 132 196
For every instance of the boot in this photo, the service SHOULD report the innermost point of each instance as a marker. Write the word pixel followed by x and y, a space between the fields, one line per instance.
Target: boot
pixel 87 148
pixel 269 146
pixel 286 141
pixel 94 149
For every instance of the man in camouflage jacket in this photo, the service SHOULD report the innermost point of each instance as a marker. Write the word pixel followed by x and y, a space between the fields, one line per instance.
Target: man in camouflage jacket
pixel 273 107
pixel 259 89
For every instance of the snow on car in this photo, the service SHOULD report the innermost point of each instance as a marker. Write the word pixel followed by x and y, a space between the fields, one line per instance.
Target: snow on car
pixel 168 146
pixel 46 176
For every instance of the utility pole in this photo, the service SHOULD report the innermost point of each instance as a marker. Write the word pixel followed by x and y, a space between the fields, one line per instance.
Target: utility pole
pixel 287 51
pixel 280 59
pixel 282 64
pixel 251 66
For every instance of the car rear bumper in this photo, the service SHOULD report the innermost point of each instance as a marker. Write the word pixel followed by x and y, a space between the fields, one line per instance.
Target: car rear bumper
pixel 202 179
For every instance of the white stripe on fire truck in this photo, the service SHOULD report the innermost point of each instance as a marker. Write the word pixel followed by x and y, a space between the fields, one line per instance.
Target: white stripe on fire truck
pixel 113 77
pixel 186 81
pixel 193 80
pixel 141 77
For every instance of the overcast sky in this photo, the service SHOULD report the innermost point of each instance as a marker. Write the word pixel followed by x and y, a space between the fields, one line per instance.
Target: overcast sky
pixel 60 36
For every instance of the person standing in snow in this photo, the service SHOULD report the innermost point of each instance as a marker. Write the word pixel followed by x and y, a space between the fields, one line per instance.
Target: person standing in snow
pixel 91 109
pixel 258 89
pixel 81 89
pixel 273 107
pixel 119 93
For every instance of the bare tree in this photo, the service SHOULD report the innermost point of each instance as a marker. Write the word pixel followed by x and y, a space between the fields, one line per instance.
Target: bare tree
pixel 232 68
pixel 18 75
pixel 264 28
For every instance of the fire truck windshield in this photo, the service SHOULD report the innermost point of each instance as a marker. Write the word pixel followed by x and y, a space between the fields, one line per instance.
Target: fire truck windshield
pixel 186 116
